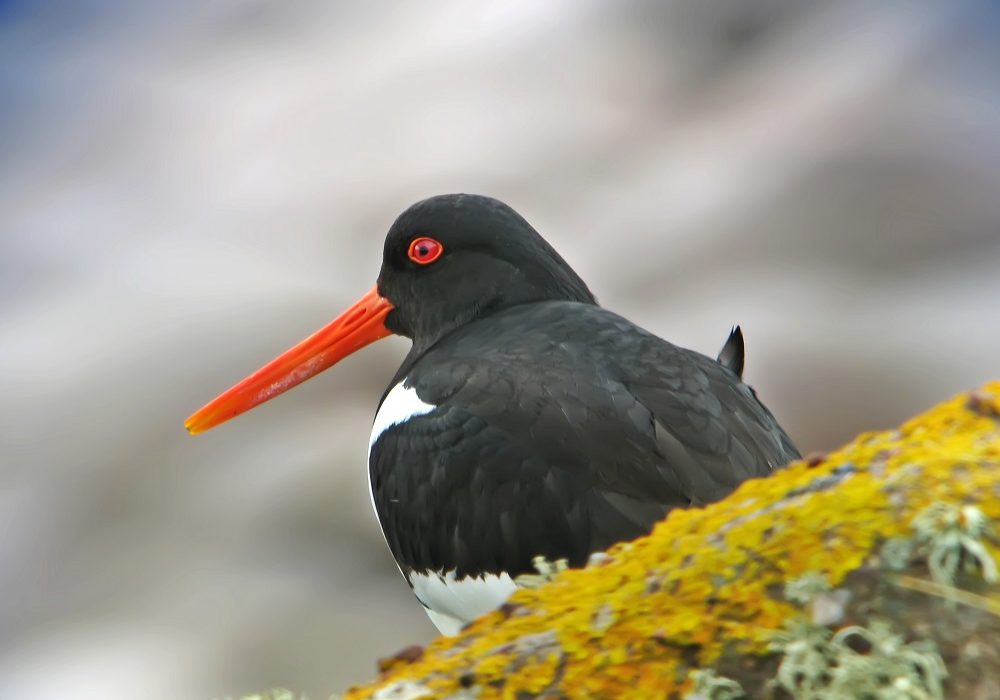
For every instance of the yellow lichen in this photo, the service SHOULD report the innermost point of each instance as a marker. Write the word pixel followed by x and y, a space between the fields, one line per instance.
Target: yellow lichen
pixel 710 580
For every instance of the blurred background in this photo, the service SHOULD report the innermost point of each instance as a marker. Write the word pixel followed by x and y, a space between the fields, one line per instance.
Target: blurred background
pixel 188 188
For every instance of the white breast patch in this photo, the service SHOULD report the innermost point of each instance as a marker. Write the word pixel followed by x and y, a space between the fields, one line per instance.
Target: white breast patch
pixel 400 405
pixel 453 603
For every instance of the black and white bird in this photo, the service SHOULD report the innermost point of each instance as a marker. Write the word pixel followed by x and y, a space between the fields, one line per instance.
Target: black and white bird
pixel 525 420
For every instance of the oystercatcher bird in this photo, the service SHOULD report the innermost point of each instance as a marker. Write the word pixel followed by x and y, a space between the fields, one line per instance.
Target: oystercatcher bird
pixel 525 420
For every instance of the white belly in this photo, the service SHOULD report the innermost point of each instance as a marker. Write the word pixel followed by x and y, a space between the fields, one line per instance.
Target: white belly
pixel 453 603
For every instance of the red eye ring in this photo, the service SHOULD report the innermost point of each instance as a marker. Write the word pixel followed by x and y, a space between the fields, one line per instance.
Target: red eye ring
pixel 424 250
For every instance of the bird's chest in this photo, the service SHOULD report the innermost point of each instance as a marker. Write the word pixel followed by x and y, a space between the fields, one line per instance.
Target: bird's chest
pixel 422 477
pixel 426 522
pixel 447 489
pixel 387 454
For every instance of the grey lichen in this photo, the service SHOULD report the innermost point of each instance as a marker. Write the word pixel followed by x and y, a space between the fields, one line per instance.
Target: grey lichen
pixel 708 685
pixel 803 589
pixel 813 592
pixel 547 570
pixel 403 690
pixel 953 535
pixel 805 658
pixel 857 662
pixel 897 552
pixel 892 668
pixel 278 694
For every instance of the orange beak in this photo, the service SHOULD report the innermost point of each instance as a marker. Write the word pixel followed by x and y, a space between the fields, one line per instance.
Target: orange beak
pixel 361 324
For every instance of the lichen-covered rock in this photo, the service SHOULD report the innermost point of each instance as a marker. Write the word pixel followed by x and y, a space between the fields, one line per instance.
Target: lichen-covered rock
pixel 707 589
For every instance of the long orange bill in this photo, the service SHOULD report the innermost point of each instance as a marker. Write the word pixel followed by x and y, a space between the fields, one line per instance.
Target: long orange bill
pixel 360 325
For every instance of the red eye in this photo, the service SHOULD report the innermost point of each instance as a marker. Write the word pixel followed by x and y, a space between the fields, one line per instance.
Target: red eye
pixel 424 250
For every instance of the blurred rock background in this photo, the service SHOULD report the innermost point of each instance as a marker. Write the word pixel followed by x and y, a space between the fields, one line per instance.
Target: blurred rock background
pixel 188 188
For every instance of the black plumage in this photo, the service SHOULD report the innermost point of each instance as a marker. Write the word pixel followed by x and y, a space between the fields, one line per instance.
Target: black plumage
pixel 732 354
pixel 560 427
pixel 525 420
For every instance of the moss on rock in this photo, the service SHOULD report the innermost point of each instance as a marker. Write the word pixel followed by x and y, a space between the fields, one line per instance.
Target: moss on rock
pixel 706 590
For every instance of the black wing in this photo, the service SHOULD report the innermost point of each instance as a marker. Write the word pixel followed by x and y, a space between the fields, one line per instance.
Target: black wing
pixel 560 441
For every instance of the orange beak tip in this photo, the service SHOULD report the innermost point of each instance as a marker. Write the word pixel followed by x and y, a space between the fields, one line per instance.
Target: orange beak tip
pixel 191 426
pixel 358 326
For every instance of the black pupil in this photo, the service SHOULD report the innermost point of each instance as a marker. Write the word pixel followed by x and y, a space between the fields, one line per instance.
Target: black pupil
pixel 423 250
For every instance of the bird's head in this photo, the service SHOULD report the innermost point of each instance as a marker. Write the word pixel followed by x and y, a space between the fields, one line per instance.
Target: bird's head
pixel 453 258
pixel 447 260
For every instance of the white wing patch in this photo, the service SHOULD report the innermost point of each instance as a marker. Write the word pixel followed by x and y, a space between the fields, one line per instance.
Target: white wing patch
pixel 453 603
